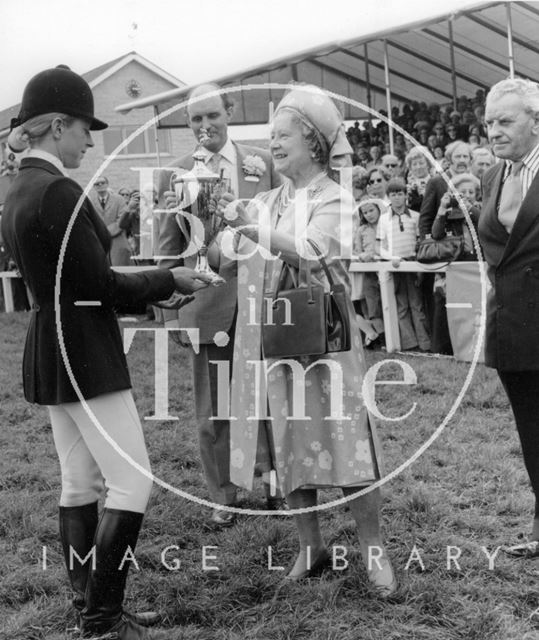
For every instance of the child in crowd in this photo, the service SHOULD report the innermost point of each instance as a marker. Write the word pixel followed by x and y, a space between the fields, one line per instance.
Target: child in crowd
pixel 370 307
pixel 398 233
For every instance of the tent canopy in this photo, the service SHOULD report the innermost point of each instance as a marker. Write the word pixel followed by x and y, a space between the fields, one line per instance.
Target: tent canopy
pixel 434 60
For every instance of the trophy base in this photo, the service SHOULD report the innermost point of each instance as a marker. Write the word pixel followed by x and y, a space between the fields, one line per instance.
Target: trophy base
pixel 215 279
pixel 202 266
pixel 175 302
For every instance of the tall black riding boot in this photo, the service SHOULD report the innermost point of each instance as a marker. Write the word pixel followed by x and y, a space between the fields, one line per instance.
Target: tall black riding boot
pixel 116 533
pixel 77 531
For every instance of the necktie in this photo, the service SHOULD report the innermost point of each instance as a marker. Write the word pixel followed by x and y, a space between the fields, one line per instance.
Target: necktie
pixel 103 202
pixel 214 161
pixel 511 197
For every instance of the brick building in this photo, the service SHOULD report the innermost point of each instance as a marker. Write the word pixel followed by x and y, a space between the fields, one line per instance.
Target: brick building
pixel 127 77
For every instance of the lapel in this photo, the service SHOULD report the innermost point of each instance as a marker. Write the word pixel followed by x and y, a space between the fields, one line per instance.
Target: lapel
pixel 495 234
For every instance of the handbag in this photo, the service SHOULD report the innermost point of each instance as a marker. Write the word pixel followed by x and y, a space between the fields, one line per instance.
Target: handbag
pixel 305 321
pixel 447 249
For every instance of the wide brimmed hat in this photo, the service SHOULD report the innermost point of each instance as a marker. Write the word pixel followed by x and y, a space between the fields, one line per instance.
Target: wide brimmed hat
pixel 58 90
pixel 319 111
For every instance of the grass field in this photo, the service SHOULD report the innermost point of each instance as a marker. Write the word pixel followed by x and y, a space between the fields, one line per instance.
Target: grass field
pixel 468 490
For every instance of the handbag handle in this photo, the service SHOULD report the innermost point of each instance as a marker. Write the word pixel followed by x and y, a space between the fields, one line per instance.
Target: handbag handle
pixel 323 262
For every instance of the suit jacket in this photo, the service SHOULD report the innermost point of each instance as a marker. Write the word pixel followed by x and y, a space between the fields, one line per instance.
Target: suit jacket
pixel 38 209
pixel 115 207
pixel 435 189
pixel 214 308
pixel 512 332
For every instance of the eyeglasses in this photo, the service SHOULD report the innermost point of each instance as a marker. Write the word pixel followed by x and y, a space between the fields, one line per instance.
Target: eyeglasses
pixel 100 183
pixel 396 193
pixel 392 166
pixel 375 181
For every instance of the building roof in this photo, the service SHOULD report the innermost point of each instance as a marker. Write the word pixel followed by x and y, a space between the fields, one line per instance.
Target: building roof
pixel 95 76
pixel 419 56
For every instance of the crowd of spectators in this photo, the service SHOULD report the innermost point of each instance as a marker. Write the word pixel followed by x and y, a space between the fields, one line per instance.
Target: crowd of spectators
pixel 433 126
pixel 443 143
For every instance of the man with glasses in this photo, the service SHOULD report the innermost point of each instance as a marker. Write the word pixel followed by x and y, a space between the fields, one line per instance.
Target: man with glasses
pixel 376 184
pixel 390 166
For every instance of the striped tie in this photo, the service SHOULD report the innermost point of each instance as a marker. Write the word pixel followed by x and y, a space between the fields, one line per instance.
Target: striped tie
pixel 511 197
pixel 214 162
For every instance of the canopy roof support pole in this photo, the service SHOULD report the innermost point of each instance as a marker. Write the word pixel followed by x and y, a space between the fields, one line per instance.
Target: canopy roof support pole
pixel 452 59
pixel 156 133
pixel 510 41
pixel 368 81
pixel 388 97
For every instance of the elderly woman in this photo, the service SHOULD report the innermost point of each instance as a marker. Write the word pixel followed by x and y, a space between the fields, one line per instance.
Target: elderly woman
pixel 48 225
pixel 320 449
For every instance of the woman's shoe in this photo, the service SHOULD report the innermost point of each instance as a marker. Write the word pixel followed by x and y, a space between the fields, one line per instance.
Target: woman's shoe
pixel 528 549
pixel 221 519
pixel 383 580
pixel 276 504
pixel 319 563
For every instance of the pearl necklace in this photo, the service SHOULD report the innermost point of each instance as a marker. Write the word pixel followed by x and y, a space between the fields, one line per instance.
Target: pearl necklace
pixel 285 199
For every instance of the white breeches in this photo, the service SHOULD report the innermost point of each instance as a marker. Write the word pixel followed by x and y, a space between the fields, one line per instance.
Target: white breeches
pixel 90 464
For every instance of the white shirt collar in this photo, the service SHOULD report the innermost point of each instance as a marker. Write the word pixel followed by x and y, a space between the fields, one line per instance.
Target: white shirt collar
pixel 228 152
pixel 49 157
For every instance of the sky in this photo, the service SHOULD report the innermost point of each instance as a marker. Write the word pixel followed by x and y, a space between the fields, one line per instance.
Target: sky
pixel 194 40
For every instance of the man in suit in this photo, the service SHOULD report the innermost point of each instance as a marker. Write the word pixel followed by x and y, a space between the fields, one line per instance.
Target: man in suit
pixel 214 314
pixel 111 207
pixel 509 235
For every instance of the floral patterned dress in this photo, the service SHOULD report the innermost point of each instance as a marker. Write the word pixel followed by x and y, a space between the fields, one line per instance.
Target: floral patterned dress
pixel 317 424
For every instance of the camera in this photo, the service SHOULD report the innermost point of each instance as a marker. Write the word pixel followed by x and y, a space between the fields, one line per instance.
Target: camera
pixel 454 211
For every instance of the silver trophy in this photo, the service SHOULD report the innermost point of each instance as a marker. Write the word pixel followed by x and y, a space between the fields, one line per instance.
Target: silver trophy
pixel 200 189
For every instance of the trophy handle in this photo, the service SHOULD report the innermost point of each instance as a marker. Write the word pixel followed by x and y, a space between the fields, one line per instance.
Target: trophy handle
pixel 184 227
pixel 174 179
